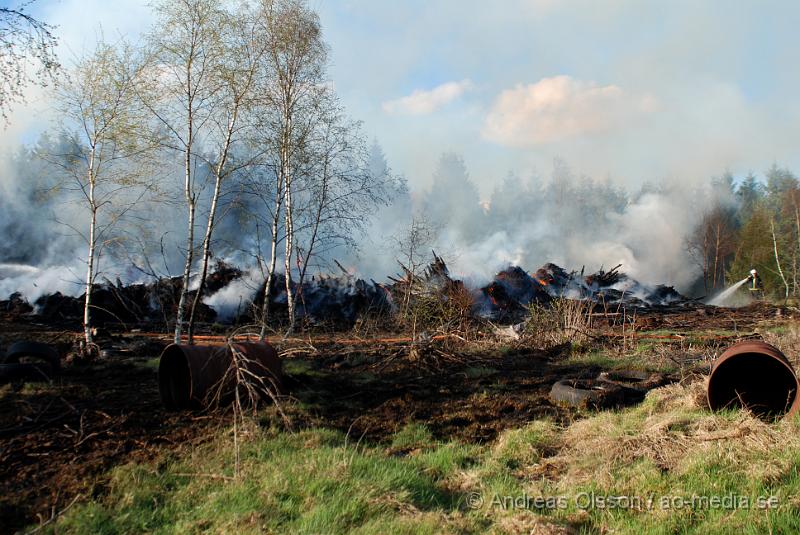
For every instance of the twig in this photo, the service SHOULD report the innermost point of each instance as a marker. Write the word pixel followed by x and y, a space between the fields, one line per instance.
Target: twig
pixel 53 517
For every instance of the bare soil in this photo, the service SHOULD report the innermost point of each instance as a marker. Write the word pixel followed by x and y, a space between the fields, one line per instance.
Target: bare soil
pixel 58 439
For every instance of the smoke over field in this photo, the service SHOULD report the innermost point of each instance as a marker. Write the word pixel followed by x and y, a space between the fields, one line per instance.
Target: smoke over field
pixel 571 220
pixel 460 266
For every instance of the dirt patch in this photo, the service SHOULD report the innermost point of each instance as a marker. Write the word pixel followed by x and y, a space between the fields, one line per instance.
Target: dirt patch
pixel 471 401
pixel 58 440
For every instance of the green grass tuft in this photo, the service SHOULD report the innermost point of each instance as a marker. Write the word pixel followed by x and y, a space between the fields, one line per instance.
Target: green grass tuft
pixel 320 481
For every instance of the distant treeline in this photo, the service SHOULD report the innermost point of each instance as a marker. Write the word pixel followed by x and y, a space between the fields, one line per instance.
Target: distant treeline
pixel 753 224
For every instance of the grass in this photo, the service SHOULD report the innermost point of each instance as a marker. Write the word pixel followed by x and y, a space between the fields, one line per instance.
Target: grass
pixel 656 333
pixel 778 330
pixel 641 358
pixel 151 363
pixel 300 367
pixel 309 482
pixel 664 466
pixel 601 358
pixel 653 468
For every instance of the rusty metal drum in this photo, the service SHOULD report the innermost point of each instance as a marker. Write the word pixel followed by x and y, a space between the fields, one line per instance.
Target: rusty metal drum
pixel 754 375
pixel 192 376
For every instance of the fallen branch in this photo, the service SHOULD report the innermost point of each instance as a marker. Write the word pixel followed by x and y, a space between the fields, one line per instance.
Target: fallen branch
pixel 54 516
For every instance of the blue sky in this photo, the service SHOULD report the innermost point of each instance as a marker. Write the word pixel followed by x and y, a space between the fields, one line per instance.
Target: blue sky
pixel 628 89
pixel 653 90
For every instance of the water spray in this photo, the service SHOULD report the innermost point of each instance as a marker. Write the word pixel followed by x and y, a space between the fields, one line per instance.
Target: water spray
pixel 755 287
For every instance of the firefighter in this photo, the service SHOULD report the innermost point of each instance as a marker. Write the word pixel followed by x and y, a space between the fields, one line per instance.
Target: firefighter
pixel 756 286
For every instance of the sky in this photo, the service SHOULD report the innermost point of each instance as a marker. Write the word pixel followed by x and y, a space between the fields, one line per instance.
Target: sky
pixel 630 90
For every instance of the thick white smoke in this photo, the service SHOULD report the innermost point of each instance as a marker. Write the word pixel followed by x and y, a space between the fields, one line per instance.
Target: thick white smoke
pixel 575 222
pixel 33 282
pixel 234 298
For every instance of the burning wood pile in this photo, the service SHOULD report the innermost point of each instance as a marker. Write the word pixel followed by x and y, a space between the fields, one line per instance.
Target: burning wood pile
pixel 509 294
pixel 607 287
pixel 339 301
pixel 336 301
pixel 115 302
pixel 431 299
pixel 512 290
pixel 434 280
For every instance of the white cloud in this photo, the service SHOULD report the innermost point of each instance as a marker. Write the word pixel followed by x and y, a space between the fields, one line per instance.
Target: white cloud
pixel 558 108
pixel 424 102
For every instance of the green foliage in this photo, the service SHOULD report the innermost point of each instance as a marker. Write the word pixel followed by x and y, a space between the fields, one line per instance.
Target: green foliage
pixel 756 251
pixel 780 182
pixel 319 481
pixel 749 193
pixel 742 228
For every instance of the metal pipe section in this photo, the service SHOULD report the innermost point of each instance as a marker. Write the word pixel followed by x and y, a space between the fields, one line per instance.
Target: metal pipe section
pixel 191 377
pixel 754 375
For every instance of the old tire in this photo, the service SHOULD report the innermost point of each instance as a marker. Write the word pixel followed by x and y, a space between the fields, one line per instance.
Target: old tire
pixel 633 380
pixel 26 371
pixel 586 393
pixel 34 350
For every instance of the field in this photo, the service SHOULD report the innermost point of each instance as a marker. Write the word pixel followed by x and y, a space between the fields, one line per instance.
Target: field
pixel 378 434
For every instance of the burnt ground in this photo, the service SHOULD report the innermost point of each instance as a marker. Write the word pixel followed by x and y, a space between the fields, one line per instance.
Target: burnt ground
pixel 58 439
pixel 469 399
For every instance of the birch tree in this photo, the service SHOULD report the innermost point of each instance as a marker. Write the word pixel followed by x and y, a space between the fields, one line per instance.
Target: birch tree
pixel 712 244
pixel 243 51
pixel 100 116
pixel 267 187
pixel 182 95
pixel 778 258
pixel 320 191
pixel 340 190
pixel 296 61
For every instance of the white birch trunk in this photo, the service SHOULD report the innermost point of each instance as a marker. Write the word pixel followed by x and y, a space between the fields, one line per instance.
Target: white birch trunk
pixel 288 255
pixel 212 214
pixel 273 260
pixel 777 259
pixel 205 256
pixel 289 216
pixel 87 315
pixel 187 269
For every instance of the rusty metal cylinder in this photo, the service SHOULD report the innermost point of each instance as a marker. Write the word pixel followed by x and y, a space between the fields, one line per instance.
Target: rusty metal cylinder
pixel 754 375
pixel 192 376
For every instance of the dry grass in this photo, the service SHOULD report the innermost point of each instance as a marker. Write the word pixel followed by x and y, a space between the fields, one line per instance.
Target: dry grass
pixel 787 339
pixel 529 523
pixel 560 321
pixel 670 430
pixel 318 481
pixel 444 312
